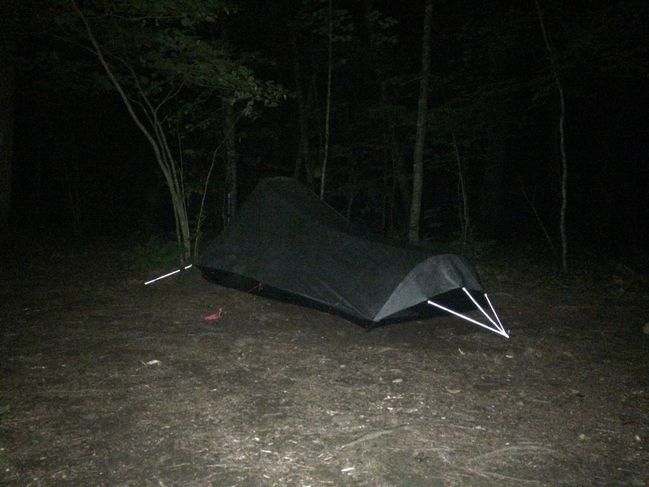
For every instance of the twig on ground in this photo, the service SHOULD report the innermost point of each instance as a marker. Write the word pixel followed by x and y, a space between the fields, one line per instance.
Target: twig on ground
pixel 511 450
pixel 497 476
pixel 375 434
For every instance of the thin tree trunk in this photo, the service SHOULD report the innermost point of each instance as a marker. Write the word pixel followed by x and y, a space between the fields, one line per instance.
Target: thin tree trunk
pixel 36 190
pixel 231 157
pixel 394 171
pixel 422 116
pixel 71 172
pixel 564 181
pixel 350 202
pixel 401 179
pixel 7 90
pixel 562 141
pixel 492 201
pixel 304 151
pixel 157 140
pixel 465 221
pixel 325 157
pixel 539 220
pixel 201 209
pixel 386 194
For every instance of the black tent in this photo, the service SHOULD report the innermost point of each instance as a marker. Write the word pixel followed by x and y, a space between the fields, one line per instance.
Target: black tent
pixel 289 240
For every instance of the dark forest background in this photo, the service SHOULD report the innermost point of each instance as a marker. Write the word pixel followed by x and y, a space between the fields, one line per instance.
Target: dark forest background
pixel 243 89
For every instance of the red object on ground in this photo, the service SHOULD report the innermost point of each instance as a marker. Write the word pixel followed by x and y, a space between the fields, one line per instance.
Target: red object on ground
pixel 214 317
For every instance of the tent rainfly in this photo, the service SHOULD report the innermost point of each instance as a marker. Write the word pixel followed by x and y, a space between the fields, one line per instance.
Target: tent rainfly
pixel 285 238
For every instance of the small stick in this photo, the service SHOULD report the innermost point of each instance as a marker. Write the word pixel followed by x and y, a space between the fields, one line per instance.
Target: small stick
pixel 373 435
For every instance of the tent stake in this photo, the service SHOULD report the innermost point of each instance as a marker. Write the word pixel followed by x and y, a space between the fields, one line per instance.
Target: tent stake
pixel 167 275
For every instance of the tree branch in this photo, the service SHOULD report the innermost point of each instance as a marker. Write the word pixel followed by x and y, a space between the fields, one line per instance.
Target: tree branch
pixel 114 80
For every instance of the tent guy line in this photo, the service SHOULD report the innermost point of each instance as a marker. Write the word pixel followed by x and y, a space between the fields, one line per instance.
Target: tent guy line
pixel 168 274
pixel 496 328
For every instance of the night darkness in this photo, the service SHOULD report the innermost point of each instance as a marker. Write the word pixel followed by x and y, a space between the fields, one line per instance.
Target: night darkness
pixel 179 307
pixel 81 166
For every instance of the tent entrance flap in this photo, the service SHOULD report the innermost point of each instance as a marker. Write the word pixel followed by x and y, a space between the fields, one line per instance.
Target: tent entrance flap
pixel 495 325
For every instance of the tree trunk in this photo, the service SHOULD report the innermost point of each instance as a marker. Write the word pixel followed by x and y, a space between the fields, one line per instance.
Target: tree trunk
pixel 422 115
pixel 156 136
pixel 562 141
pixel 492 196
pixel 71 173
pixel 325 157
pixel 396 177
pixel 401 178
pixel 463 199
pixel 7 90
pixel 231 158
pixel 304 150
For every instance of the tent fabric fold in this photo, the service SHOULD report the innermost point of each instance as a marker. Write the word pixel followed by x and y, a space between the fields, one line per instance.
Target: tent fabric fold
pixel 285 237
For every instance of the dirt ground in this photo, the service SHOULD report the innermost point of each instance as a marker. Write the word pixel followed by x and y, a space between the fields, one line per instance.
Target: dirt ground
pixel 104 381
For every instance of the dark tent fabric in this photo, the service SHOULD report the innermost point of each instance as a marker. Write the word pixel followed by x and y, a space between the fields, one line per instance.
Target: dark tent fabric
pixel 285 237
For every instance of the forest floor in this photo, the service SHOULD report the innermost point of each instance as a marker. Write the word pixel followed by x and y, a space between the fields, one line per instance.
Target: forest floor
pixel 104 381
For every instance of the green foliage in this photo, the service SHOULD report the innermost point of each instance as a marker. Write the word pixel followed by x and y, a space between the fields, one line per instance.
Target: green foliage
pixel 169 56
pixel 159 46
pixel 314 17
pixel 173 69
pixel 492 97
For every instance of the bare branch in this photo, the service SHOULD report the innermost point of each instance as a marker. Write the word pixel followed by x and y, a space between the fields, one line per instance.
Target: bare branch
pixel 562 140
pixel 115 81
pixel 199 218
pixel 76 44
pixel 172 94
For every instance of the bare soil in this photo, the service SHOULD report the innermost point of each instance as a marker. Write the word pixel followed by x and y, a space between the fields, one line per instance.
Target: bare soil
pixel 104 381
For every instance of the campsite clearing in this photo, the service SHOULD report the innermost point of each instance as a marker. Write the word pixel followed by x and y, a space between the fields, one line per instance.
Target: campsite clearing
pixel 104 381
